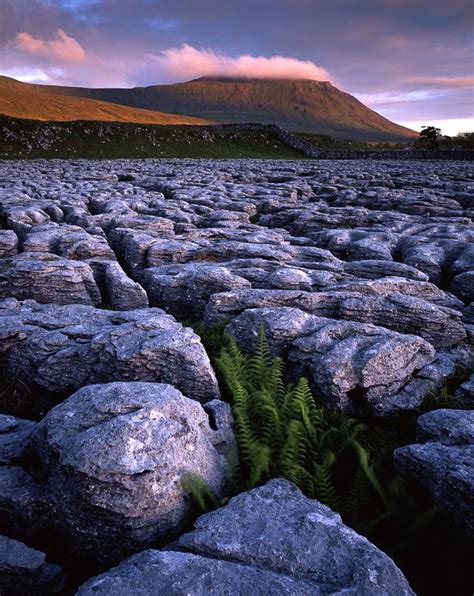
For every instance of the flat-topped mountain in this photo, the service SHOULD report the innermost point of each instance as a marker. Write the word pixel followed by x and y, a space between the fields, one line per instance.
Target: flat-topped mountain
pixel 298 105
pixel 39 102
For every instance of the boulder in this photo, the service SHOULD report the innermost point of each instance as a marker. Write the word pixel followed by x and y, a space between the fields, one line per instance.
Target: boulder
pixel 49 279
pixel 162 573
pixel 357 368
pixel 24 570
pixel 8 243
pixel 370 302
pixel 14 436
pixel 443 461
pixel 183 290
pixel 280 326
pixel 275 528
pixel 62 348
pixel 114 459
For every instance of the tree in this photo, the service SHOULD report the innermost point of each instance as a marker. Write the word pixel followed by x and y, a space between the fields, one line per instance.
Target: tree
pixel 429 137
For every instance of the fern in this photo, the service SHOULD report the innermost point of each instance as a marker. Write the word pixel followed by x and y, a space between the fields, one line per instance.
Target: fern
pixel 282 431
pixel 200 492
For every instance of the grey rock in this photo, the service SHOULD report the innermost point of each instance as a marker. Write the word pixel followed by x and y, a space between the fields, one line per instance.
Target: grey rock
pixel 68 241
pixel 123 293
pixel 24 569
pixel 429 381
pixel 449 427
pixel 373 269
pixel 113 460
pixel 131 247
pixel 62 348
pixel 441 326
pixel 8 243
pixel 356 367
pixel 155 573
pixel 48 278
pixel 184 290
pixel 463 285
pixel 276 528
pixel 14 435
pixel 369 302
pixel 443 461
pixel 280 326
pixel 464 394
pixel 386 286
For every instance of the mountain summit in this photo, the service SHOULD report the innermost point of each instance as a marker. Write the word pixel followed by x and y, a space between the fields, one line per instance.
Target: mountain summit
pixel 297 105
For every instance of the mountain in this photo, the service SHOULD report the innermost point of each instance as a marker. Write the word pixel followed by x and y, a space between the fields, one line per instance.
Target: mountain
pixel 38 102
pixel 298 105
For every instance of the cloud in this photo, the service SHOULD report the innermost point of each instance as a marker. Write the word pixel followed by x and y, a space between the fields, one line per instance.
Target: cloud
pixel 62 47
pixel 450 82
pixel 187 62
pixel 388 98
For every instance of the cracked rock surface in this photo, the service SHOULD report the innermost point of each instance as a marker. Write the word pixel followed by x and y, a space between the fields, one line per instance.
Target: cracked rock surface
pixel 61 348
pixel 387 244
pixel 361 274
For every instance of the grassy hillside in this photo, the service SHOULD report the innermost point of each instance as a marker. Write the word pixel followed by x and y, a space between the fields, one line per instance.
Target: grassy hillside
pixel 21 100
pixel 301 105
pixel 103 140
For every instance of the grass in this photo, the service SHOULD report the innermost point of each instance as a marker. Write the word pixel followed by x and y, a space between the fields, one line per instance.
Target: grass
pixel 113 140
pixel 328 142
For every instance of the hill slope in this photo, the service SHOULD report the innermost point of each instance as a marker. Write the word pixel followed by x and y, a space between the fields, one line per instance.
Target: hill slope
pixel 37 102
pixel 299 105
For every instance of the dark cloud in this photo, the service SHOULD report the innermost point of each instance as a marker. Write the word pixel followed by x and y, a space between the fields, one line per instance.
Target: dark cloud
pixel 417 50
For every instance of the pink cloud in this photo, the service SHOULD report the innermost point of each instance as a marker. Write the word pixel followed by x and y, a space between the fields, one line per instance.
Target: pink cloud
pixel 62 47
pixel 451 82
pixel 188 62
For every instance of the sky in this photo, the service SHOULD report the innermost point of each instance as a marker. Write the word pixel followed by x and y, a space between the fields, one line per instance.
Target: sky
pixel 410 60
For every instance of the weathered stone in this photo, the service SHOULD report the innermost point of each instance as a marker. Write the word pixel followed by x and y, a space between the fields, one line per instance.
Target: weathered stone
pixel 280 326
pixel 122 292
pixel 70 242
pixel 162 573
pixel 114 458
pixel 276 528
pixel 24 570
pixel 14 435
pixel 62 348
pixel 184 290
pixel 373 304
pixel 373 269
pixel 8 243
pixel 464 394
pixel 443 461
pixel 48 278
pixel 356 367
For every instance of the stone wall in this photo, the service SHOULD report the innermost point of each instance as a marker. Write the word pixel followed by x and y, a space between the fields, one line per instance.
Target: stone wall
pixel 310 150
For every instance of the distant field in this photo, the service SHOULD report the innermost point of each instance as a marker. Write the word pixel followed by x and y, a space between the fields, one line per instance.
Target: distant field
pixel 328 142
pixel 108 140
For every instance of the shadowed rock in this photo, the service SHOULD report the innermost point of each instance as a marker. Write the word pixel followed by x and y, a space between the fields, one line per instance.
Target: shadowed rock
pixel 164 573
pixel 23 569
pixel 443 461
pixel 49 279
pixel 276 528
